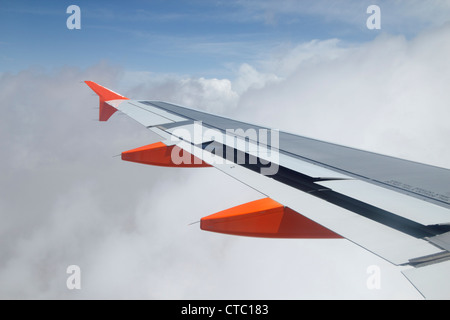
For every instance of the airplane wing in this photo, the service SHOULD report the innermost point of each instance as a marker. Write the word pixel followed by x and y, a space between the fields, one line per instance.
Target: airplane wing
pixel 394 208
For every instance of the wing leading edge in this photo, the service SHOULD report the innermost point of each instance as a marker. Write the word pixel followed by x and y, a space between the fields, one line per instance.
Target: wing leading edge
pixel 397 209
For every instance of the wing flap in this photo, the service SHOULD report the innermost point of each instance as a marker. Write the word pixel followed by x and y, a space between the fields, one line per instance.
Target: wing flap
pixel 397 203
pixel 442 241
pixel 431 280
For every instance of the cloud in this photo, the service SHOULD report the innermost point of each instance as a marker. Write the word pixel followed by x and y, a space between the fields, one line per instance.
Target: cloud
pixel 66 200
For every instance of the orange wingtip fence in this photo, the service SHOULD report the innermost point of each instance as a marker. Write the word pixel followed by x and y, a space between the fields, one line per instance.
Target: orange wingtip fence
pixel 104 94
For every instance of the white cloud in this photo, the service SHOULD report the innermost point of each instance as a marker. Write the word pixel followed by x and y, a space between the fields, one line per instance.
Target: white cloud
pixel 208 94
pixel 248 78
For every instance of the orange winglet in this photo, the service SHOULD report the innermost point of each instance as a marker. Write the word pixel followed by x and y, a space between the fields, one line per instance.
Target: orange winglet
pixel 265 218
pixel 159 154
pixel 106 111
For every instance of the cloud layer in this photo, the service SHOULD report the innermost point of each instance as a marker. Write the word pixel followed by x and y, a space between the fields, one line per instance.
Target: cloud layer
pixel 64 198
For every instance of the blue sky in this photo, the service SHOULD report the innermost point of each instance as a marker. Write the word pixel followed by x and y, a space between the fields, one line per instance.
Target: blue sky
pixel 190 37
pixel 187 37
